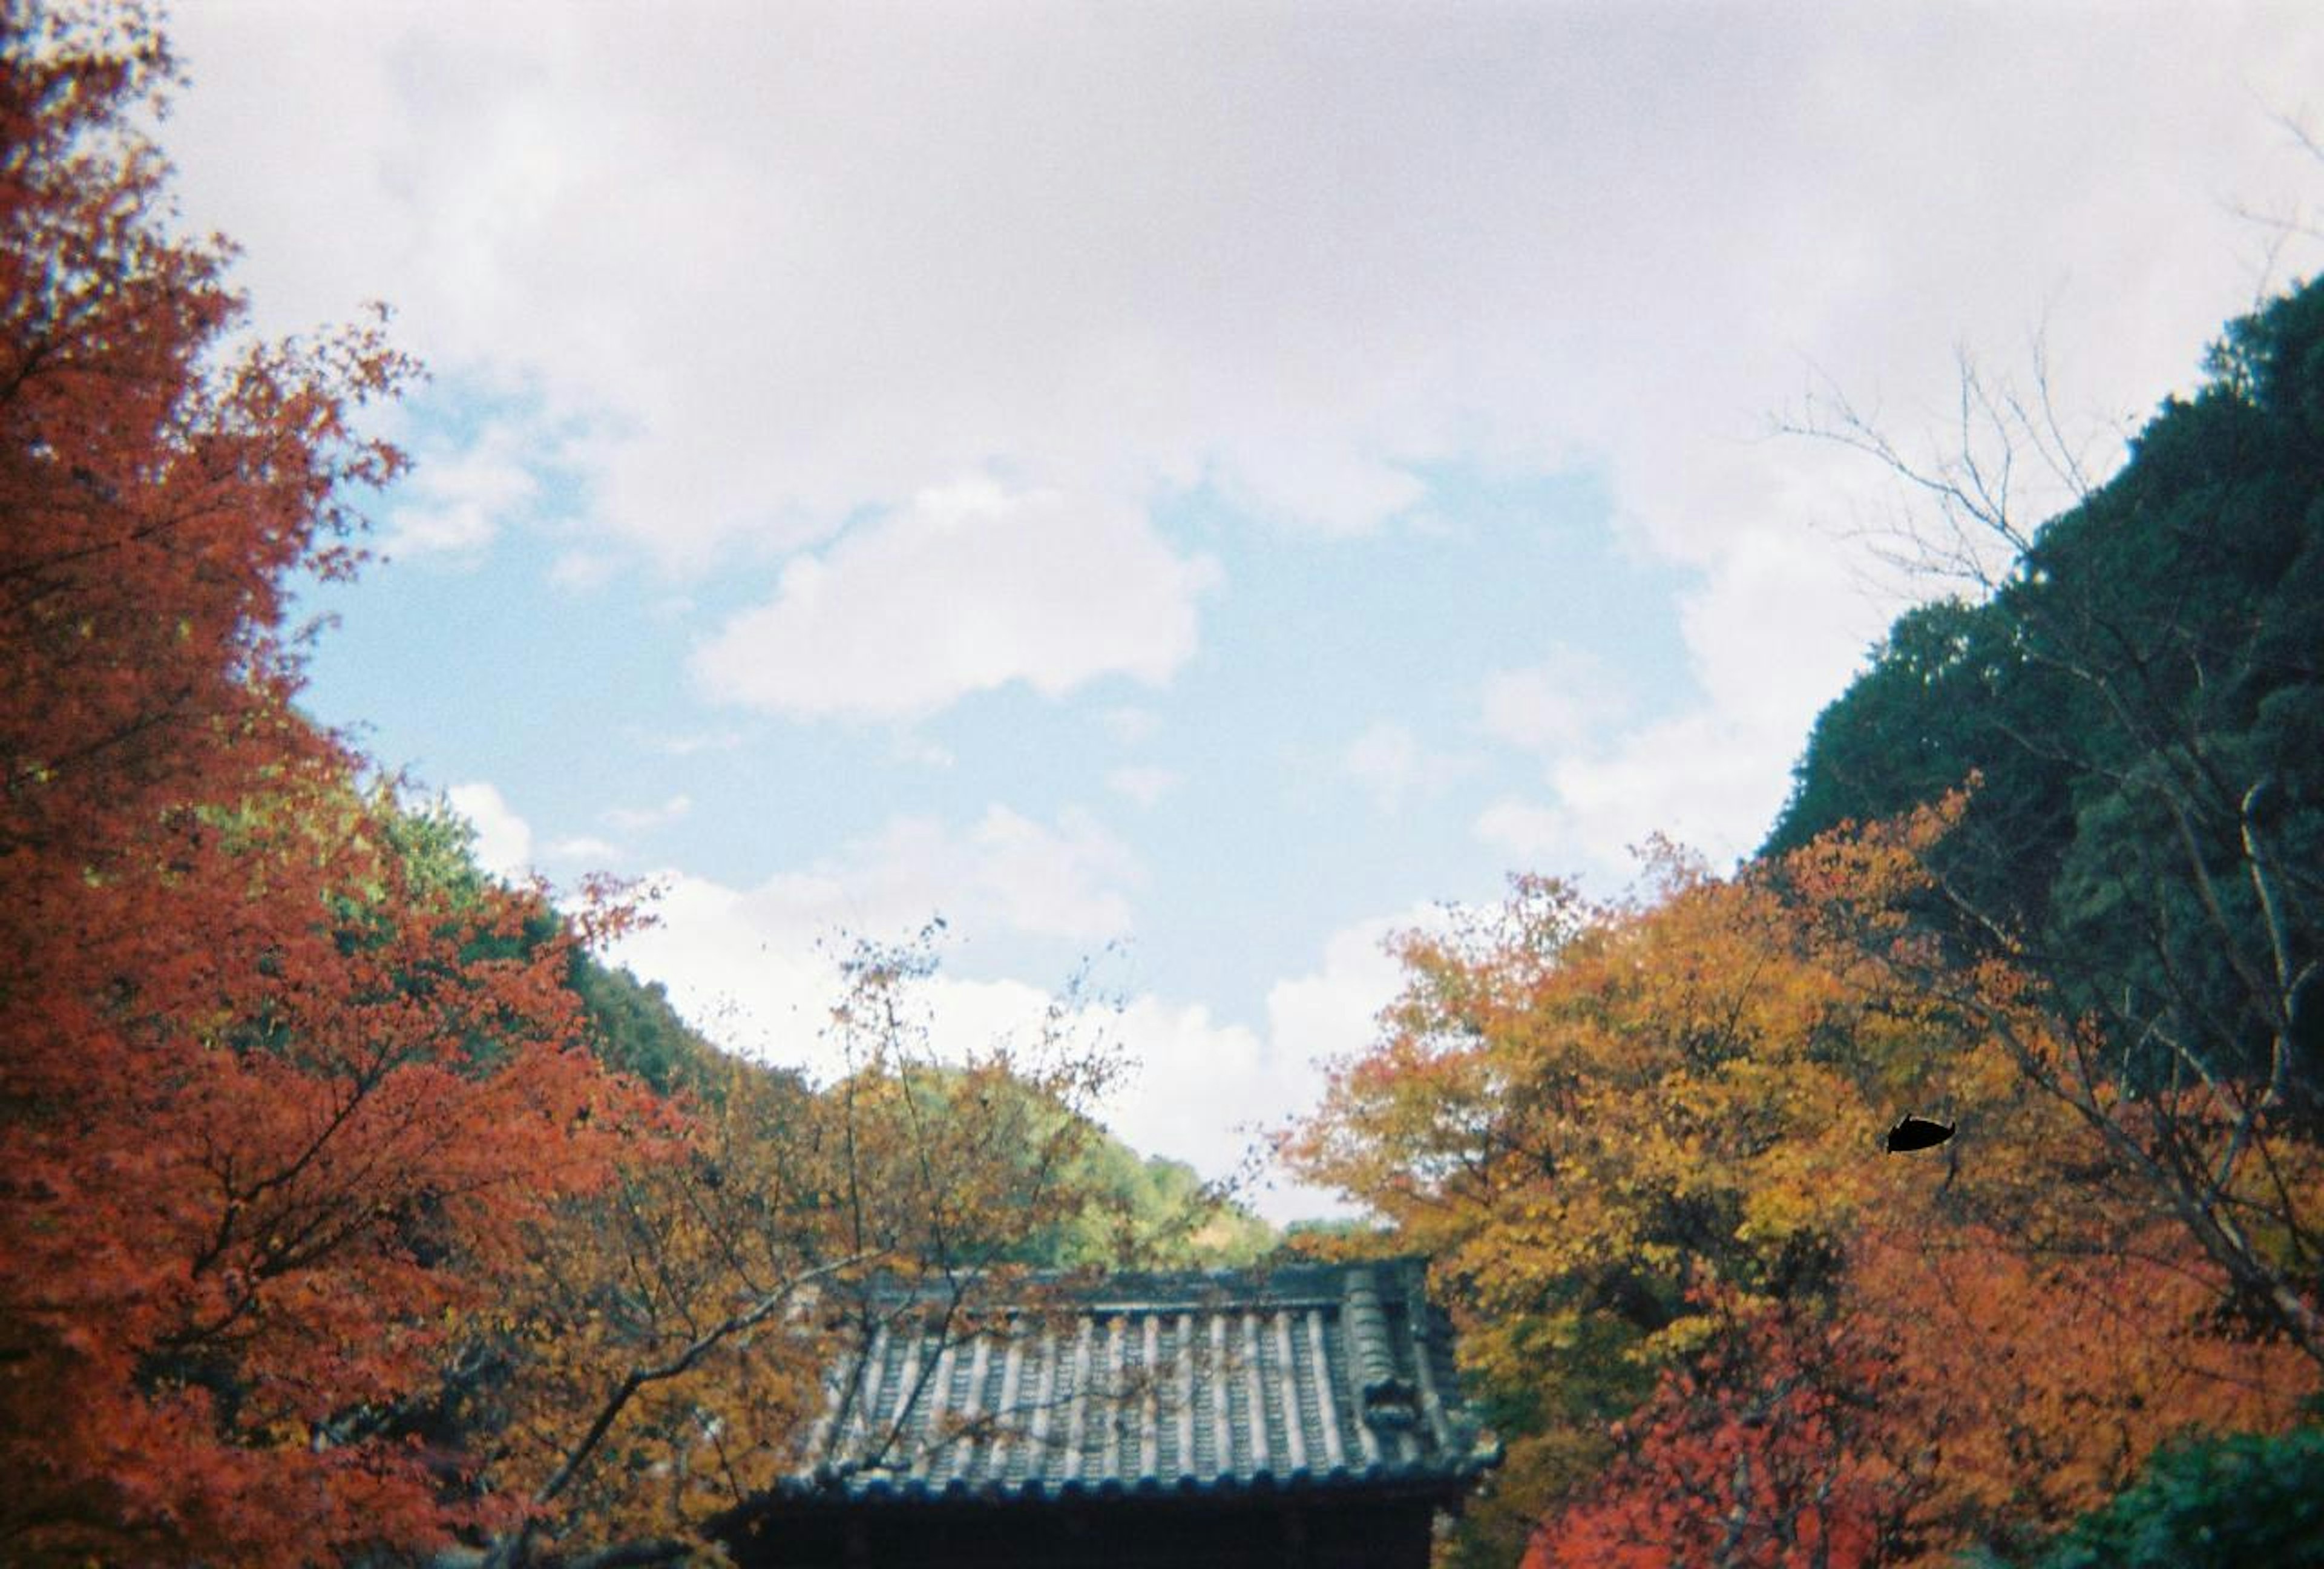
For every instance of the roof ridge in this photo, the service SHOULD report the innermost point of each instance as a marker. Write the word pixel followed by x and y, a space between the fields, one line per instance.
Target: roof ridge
pixel 1302 1374
pixel 1388 1397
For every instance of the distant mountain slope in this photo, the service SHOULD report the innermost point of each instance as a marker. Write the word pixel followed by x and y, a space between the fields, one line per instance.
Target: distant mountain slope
pixel 2141 704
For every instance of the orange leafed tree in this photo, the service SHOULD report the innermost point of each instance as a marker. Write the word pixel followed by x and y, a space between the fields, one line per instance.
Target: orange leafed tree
pixel 271 1106
pixel 1951 1391
pixel 1644 1143
pixel 1598 1119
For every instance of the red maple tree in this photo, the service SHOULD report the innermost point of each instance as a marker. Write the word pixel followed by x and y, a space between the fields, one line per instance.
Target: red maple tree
pixel 271 1106
pixel 1786 1445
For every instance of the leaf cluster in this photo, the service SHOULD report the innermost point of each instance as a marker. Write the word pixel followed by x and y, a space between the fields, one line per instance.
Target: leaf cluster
pixel 1714 1321
pixel 2216 1503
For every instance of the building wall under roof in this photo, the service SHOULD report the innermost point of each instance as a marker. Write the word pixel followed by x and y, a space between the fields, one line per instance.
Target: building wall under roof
pixel 1311 1531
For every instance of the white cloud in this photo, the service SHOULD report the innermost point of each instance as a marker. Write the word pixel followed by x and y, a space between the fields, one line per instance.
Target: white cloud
pixel 503 839
pixel 1774 633
pixel 1211 1092
pixel 756 968
pixel 1332 1011
pixel 796 268
pixel 1705 781
pixel 743 965
pixel 1710 784
pixel 456 503
pixel 1062 881
pixel 1531 833
pixel 585 850
pixel 1292 262
pixel 638 819
pixel 1217 244
pixel 1004 873
pixel 1146 786
pixel 1199 1089
pixel 760 968
pixel 1778 629
pixel 504 845
pixel 967 589
pixel 1554 704
pixel 1390 763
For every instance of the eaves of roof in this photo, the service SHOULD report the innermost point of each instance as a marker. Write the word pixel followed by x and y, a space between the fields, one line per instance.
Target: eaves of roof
pixel 1309 1377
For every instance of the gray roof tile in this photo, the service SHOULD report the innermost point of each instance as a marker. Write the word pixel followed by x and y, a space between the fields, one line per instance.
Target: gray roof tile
pixel 1305 1375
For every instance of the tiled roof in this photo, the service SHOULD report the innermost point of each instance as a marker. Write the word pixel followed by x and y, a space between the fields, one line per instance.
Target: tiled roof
pixel 1301 1376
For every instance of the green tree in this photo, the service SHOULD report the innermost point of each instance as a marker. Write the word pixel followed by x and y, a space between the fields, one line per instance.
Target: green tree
pixel 2135 703
pixel 2241 1502
pixel 2138 694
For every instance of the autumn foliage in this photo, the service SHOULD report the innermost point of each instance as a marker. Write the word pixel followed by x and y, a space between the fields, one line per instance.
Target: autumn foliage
pixel 666 1343
pixel 1715 1321
pixel 327 1236
pixel 325 1233
pixel 273 1110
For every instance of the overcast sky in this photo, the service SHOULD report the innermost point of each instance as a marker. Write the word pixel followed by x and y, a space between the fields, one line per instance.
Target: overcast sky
pixel 1194 484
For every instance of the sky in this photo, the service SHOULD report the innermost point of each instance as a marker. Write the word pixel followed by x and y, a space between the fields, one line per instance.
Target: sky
pixel 1184 492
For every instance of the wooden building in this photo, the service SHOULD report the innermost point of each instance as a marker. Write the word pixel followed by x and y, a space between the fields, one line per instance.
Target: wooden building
pixel 1301 1415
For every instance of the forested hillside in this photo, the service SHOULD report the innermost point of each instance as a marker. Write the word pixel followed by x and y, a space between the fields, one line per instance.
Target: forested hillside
pixel 2135 712
pixel 2050 877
